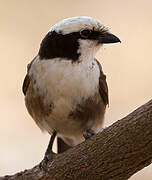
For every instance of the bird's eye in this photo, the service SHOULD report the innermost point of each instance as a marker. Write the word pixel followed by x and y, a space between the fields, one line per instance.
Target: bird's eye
pixel 85 33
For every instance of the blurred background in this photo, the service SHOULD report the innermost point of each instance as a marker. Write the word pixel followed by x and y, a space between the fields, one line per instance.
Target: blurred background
pixel 128 66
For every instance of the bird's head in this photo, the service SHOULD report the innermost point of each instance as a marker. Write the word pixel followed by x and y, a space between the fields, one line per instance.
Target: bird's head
pixel 75 38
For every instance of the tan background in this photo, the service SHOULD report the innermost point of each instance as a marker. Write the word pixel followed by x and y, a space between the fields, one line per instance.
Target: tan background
pixel 23 24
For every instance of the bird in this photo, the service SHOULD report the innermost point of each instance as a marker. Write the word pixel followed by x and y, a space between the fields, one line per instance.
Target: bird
pixel 65 89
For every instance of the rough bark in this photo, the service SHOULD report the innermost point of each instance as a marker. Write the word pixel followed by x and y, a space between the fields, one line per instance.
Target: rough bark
pixel 116 153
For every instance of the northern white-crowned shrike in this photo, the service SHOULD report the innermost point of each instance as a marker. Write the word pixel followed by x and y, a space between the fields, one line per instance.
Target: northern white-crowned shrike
pixel 65 89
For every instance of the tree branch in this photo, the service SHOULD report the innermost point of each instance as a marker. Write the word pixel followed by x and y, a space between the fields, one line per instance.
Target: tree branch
pixel 116 153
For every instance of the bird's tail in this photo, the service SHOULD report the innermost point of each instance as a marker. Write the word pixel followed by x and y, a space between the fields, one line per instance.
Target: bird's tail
pixel 61 145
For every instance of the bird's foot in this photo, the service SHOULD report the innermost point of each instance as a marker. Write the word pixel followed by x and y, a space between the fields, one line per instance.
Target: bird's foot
pixel 88 134
pixel 47 158
pixel 102 129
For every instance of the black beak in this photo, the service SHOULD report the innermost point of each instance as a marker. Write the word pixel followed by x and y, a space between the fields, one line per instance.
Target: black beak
pixel 108 38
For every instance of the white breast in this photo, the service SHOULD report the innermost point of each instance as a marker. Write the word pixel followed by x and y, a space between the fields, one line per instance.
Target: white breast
pixel 61 78
pixel 65 84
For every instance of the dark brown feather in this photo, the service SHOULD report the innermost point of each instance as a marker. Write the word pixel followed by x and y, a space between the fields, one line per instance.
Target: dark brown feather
pixel 61 145
pixel 88 109
pixel 26 84
pixel 27 78
pixel 103 87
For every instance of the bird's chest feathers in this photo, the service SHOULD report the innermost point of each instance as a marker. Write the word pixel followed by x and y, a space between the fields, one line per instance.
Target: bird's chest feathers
pixel 62 79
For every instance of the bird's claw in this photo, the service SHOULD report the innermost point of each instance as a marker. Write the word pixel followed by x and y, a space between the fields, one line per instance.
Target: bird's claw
pixel 44 162
pixel 89 133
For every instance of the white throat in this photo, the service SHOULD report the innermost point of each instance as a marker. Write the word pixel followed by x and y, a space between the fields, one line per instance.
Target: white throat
pixel 87 50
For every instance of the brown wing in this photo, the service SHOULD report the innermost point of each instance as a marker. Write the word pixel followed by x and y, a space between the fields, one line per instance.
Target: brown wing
pixel 26 84
pixel 27 78
pixel 103 87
